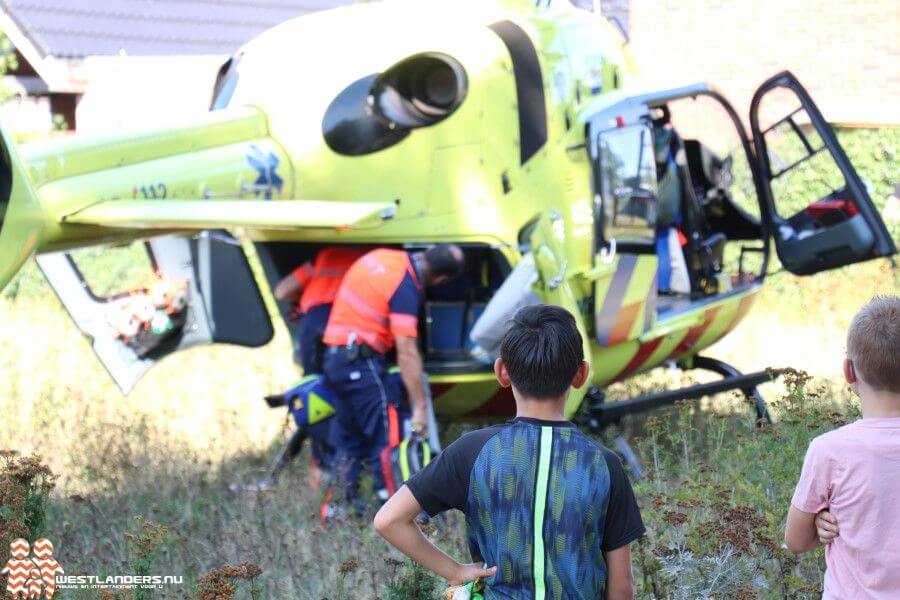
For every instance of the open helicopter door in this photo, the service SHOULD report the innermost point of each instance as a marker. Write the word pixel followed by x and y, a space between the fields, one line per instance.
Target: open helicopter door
pixel 816 205
pixel 555 288
pixel 202 291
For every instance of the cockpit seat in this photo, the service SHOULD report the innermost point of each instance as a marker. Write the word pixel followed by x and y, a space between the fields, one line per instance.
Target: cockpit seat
pixel 673 276
pixel 703 250
pixel 669 189
pixel 707 262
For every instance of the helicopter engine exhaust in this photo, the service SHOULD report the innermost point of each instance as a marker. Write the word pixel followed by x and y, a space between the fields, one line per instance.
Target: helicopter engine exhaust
pixel 420 91
pixel 381 109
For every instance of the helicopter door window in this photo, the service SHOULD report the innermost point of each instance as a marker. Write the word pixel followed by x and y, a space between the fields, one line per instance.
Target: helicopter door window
pixel 628 188
pixel 802 169
pixel 110 272
pixel 124 290
pixel 819 210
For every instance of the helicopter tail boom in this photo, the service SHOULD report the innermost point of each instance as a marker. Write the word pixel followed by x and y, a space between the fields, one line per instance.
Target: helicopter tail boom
pixel 61 159
pixel 222 214
pixel 226 171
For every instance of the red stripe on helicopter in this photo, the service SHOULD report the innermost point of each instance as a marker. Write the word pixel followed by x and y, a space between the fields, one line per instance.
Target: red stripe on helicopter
pixel 742 310
pixel 624 321
pixel 501 402
pixel 643 353
pixel 694 333
pixel 437 389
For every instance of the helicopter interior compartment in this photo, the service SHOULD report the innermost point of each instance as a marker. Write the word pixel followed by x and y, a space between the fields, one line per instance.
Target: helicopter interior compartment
pixel 682 210
pixel 452 309
pixel 449 310
pixel 713 181
pixel 647 209
pixel 718 197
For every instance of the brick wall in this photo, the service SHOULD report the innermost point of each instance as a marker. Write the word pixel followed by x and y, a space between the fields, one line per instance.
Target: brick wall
pixel 846 53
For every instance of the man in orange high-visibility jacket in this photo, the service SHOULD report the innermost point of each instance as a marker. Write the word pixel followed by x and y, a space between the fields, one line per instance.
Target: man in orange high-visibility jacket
pixel 376 310
pixel 314 285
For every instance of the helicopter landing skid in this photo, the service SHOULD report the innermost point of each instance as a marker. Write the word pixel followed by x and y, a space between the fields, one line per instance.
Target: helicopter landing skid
pixel 602 414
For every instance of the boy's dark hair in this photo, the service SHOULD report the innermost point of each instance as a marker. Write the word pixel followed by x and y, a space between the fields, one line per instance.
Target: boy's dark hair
pixel 445 259
pixel 542 351
pixel 873 341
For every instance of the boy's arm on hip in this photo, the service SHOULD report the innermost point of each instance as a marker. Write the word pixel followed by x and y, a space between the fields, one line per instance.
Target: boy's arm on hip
pixel 396 523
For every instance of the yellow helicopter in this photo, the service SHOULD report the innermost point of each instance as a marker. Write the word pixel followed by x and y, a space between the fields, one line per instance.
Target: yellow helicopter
pixel 516 129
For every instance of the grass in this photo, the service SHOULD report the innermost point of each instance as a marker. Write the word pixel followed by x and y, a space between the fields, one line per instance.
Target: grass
pixel 717 494
pixel 159 462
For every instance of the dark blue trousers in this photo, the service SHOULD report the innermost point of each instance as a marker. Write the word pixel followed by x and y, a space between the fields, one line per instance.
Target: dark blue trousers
pixel 363 390
pixel 308 348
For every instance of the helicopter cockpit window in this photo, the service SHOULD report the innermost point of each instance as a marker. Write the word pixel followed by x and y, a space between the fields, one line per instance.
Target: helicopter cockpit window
pixel 628 188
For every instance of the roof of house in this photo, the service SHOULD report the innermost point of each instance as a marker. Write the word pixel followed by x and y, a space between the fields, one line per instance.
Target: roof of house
pixel 77 28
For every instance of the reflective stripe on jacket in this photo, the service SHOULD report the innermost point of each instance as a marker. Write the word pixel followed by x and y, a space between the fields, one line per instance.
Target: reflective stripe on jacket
pixel 366 305
pixel 322 278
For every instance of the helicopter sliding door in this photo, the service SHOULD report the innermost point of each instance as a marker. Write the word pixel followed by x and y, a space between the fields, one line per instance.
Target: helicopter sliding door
pixel 555 288
pixel 816 205
pixel 189 291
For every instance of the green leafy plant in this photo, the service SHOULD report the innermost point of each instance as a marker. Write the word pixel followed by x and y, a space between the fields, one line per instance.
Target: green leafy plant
pixel 411 582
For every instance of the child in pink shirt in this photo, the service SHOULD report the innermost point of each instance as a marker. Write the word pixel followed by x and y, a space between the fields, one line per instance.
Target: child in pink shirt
pixel 851 476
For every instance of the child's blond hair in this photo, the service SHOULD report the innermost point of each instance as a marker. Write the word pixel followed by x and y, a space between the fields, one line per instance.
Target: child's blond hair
pixel 873 343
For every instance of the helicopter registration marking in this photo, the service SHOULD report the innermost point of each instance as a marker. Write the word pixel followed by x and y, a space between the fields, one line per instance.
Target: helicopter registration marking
pixel 150 191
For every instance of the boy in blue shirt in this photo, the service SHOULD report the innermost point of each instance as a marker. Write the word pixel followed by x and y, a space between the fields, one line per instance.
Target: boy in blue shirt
pixel 549 512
